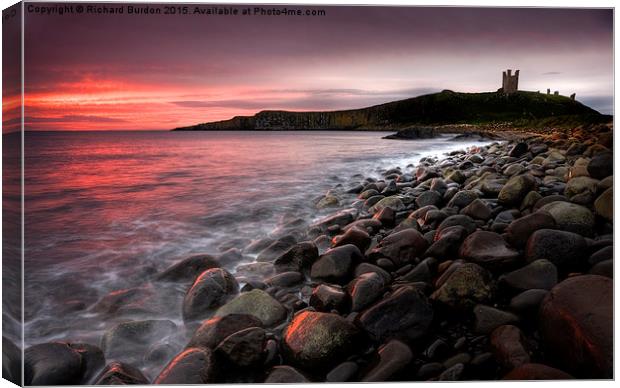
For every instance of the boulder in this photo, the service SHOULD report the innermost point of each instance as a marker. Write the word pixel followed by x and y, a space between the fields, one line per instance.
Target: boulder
pixel 343 372
pixel 188 269
pixel 257 303
pixel 518 150
pixel 394 356
pixel 478 210
pixel 393 202
pixel 464 287
pixel 117 373
pixel 210 290
pixel 276 249
pixel 328 297
pixel 536 372
pixel 515 189
pixel 571 217
pixel 387 217
pixel 129 341
pixel 336 265
pixel 447 243
pixel 463 198
pixel 353 236
pixel 297 258
pixel 604 204
pixel 581 189
pixel 461 220
pixel 315 341
pixel 565 250
pixel 285 279
pixel 539 274
pixel 526 303
pixel 601 165
pixel 405 314
pixel 215 330
pixel 244 348
pixel 489 250
pixel 365 289
pixel 430 197
pixel 580 308
pixel 509 347
pixel 284 374
pixel 520 230
pixel 53 363
pixel 400 247
pixel 489 318
pixel 191 366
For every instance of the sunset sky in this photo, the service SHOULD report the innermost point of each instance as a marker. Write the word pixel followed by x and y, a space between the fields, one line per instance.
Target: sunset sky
pixel 160 72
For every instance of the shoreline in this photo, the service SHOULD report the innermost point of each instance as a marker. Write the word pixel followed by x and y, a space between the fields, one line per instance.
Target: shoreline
pixel 444 273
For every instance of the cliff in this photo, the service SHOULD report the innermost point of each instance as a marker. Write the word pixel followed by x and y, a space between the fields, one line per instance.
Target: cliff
pixel 442 108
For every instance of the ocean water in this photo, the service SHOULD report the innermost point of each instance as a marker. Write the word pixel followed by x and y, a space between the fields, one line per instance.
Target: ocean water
pixel 107 210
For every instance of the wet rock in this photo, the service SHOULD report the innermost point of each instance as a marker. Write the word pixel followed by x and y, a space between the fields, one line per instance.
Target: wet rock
pixel 581 189
pixel 54 363
pixel 519 230
pixel 327 298
pixel 342 373
pixel 367 268
pixel 439 185
pixel 192 366
pixel 467 285
pixel 604 204
pixel 367 194
pixel 210 290
pixel 571 217
pixel 515 189
pixel 341 218
pixel 297 258
pixel 370 225
pixel 489 318
pixel 463 198
pixel 566 250
pixel 437 350
pixel 429 370
pixel 580 308
pixel 518 150
pixel 528 301
pixel 430 197
pixel 256 271
pixel 549 199
pixel 461 220
pixel 400 247
pixel 489 250
pixel 284 374
pixel 276 249
pixel 405 314
pixel 393 357
pixel 11 362
pixel 316 340
pixel 214 330
pixel 256 303
pixel 601 165
pixel 353 236
pixel 285 279
pixel 93 360
pixel 530 200
pixel 541 274
pixel 536 372
pixel 460 358
pixel 117 373
pixel 393 202
pixel 365 289
pixel 509 347
pixel 128 341
pixel 447 243
pixel 188 269
pixel 387 217
pixel 244 348
pixel 422 272
pixel 478 210
pixel 336 264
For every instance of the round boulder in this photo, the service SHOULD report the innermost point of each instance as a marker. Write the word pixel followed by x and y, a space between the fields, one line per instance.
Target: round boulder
pixel 210 290
pixel 516 189
pixel 489 250
pixel 564 249
pixel 466 286
pixel 336 264
pixel 400 247
pixel 257 303
pixel 571 217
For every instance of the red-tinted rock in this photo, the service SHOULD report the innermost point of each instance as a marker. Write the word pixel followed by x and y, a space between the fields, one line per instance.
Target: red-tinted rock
pixel 489 250
pixel 401 247
pixel 536 372
pixel 509 347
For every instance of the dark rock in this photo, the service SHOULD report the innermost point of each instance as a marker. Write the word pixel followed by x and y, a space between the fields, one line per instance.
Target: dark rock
pixel 460 358
pixel 439 185
pixel 276 249
pixel 285 279
pixel 367 268
pixel 515 189
pixel 370 225
pixel 463 198
pixel 387 217
pixel 436 350
pixel 564 249
pixel 128 341
pixel 604 204
pixel 604 268
pixel 580 308
pixel 53 363
pixel 244 348
pixel 365 289
pixel 430 197
pixel 447 242
pixel 117 373
pixel 549 199
pixel 405 314
pixel 299 257
pixel 11 362
pixel 210 290
pixel 93 360
pixel 342 373
pixel 571 217
pixel 192 366
pixel 489 318
pixel 284 374
pixel 601 165
pixel 422 272
pixel 215 330
pixel 429 370
pixel 256 303
pixel 528 301
pixel 521 229
pixel 536 372
pixel 452 374
pixel 509 347
pixel 353 236
pixel 400 247
pixel 603 254
pixel 188 269
pixel 540 274
pixel 478 210
pixel 393 357
pixel 327 298
pixel 393 202
pixel 489 250
pixel 336 264
pixel 465 286
pixel 518 150
pixel 317 340
pixel 460 220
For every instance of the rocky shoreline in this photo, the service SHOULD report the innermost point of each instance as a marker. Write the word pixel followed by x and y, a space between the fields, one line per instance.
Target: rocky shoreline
pixel 493 263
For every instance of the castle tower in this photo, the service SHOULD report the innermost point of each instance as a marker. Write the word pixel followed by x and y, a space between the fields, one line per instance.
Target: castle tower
pixel 510 83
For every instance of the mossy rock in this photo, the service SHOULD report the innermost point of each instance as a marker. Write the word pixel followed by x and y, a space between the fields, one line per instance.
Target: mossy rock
pixel 257 303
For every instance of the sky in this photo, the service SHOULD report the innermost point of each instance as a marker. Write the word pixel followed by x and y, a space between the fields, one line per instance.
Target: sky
pixel 102 72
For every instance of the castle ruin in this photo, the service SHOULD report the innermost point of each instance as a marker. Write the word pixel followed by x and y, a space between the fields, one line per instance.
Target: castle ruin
pixel 510 83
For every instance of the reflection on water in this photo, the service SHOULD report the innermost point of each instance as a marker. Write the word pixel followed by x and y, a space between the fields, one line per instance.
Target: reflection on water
pixel 106 211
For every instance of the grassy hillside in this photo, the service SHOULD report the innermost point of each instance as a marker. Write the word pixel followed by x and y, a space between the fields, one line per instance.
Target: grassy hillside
pixel 446 107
